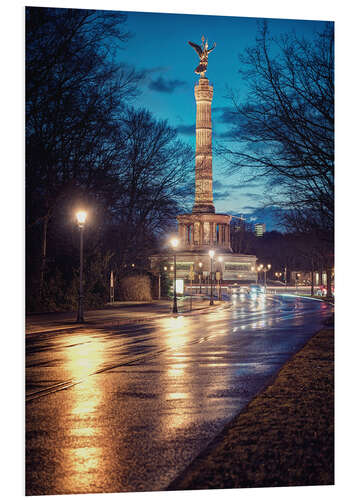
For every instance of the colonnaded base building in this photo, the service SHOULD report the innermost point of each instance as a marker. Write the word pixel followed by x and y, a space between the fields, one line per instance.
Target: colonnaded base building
pixel 204 230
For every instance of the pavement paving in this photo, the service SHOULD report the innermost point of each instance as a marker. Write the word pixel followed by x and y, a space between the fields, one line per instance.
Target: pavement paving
pixel 127 407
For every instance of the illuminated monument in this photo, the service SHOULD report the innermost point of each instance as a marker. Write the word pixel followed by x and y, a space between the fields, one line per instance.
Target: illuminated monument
pixel 203 229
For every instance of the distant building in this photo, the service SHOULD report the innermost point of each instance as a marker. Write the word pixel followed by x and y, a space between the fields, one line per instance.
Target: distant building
pixel 241 224
pixel 259 229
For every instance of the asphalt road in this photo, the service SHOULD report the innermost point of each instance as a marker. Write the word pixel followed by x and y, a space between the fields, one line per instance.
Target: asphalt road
pixel 128 407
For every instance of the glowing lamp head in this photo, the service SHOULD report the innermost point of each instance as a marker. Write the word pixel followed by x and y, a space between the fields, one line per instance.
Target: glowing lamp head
pixel 81 217
pixel 200 264
pixel 269 266
pixel 174 243
pixel 220 259
pixel 211 254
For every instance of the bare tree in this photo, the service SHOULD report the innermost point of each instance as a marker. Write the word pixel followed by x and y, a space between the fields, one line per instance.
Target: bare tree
pixel 149 175
pixel 74 94
pixel 285 128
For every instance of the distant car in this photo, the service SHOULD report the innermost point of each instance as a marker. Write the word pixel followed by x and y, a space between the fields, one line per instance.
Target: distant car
pixel 322 291
pixel 243 290
pixel 235 289
pixel 256 289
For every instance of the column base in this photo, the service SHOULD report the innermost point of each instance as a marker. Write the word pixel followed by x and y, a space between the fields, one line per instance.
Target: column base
pixel 203 208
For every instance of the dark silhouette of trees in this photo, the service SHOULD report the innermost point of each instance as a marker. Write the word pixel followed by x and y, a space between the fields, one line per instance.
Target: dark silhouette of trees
pixel 147 188
pixel 73 93
pixel 285 129
pixel 86 146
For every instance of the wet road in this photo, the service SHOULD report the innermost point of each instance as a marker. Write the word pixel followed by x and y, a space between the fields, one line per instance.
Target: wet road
pixel 128 408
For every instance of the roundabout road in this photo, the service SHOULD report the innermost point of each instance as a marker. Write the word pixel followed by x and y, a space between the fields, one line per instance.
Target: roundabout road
pixel 127 408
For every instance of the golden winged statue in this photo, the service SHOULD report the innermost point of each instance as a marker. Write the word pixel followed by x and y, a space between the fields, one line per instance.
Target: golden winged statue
pixel 203 55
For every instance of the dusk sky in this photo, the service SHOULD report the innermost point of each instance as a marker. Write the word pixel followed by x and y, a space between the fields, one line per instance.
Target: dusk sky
pixel 159 46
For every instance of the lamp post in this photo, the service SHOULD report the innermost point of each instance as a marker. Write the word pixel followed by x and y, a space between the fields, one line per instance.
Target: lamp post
pixel 174 243
pixel 200 274
pixel 211 254
pixel 256 274
pixel 81 219
pixel 265 274
pixel 220 260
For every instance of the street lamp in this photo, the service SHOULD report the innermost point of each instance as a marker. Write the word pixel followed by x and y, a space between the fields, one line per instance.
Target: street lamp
pixel 220 260
pixel 265 274
pixel 211 254
pixel 174 243
pixel 81 219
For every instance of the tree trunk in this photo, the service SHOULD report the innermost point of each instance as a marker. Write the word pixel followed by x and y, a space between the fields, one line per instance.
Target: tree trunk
pixel 43 255
pixel 312 278
pixel 329 282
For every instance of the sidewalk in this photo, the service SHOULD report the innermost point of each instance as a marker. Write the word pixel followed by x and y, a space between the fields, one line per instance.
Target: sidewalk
pixel 285 435
pixel 117 313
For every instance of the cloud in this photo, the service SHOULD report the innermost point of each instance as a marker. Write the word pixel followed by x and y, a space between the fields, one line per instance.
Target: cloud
pixel 186 129
pixel 237 187
pixel 229 134
pixel 156 69
pixel 253 196
pixel 221 195
pixel 219 185
pixel 165 85
pixel 227 115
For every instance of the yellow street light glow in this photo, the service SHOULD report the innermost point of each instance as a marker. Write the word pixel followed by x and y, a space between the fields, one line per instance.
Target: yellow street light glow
pixel 211 253
pixel 174 242
pixel 200 264
pixel 269 266
pixel 81 216
pixel 220 259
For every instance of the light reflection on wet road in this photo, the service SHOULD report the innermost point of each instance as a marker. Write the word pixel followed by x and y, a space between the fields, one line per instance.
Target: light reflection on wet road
pixel 143 400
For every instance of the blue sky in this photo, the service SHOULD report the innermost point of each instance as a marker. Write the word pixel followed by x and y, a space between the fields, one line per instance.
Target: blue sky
pixel 159 46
